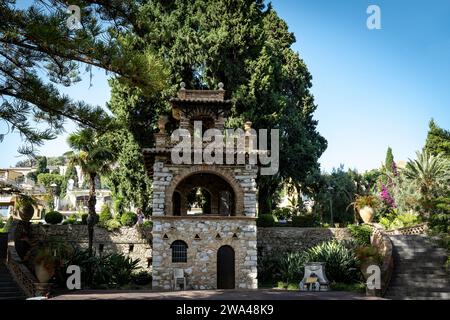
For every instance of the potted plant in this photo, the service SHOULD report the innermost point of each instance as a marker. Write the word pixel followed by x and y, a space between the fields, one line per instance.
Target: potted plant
pixel 25 204
pixel 365 206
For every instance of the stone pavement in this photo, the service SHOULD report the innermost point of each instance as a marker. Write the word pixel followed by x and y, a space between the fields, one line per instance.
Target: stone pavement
pixel 263 294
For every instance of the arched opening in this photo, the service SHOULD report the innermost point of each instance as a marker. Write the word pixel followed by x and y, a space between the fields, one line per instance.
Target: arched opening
pixel 204 194
pixel 225 268
pixel 199 201
pixel 176 204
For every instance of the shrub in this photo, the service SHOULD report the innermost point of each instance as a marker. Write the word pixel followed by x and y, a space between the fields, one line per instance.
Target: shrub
pixel 405 220
pixel 148 224
pixel 84 217
pixel 292 266
pixel 71 220
pixel 105 214
pixel 282 213
pixel 361 233
pixel 106 271
pixel 142 278
pixel 369 254
pixel 303 221
pixel 112 225
pixel 53 217
pixel 440 223
pixel 7 225
pixel 128 219
pixel 341 263
pixel 265 221
pixel 268 267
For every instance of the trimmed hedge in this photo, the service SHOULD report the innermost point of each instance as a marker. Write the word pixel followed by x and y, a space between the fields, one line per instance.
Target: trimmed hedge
pixel 53 217
pixel 128 219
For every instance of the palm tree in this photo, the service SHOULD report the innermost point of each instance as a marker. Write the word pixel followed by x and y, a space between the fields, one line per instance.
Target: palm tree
pixel 429 173
pixel 95 160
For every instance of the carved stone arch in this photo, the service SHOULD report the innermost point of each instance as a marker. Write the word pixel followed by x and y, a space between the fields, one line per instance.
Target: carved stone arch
pixel 213 170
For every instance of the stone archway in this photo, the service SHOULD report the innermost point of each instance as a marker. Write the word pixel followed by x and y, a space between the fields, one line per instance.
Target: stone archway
pixel 212 170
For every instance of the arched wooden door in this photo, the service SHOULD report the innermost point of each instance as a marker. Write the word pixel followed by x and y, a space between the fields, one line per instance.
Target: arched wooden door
pixel 225 268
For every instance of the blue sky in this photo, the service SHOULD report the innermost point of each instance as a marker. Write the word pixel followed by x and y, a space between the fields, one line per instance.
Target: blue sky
pixel 374 88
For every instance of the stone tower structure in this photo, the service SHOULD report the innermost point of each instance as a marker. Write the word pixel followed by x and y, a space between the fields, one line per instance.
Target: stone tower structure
pixel 212 241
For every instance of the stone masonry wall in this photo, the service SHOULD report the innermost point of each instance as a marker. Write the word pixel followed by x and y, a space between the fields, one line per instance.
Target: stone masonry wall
pixel 120 241
pixel 201 266
pixel 282 240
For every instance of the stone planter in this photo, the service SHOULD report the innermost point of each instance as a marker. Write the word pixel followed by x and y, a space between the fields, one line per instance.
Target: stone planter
pixel 43 274
pixel 367 214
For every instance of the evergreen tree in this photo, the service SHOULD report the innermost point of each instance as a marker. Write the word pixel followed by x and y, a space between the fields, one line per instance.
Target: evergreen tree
pixel 438 140
pixel 389 163
pixel 246 46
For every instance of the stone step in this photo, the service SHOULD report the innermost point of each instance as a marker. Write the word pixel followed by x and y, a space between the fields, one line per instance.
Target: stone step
pixel 418 298
pixel 427 284
pixel 413 294
pixel 9 294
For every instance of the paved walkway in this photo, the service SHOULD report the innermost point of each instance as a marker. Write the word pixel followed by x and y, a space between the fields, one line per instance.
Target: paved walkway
pixel 263 294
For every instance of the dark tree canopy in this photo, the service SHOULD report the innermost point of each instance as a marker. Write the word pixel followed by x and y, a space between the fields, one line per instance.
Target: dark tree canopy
pixel 150 47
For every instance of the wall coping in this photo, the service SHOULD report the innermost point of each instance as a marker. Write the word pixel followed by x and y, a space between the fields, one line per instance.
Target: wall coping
pixel 204 217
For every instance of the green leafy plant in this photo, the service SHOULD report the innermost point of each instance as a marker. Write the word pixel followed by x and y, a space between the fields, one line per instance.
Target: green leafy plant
pixel 7 225
pixel 72 219
pixel 265 221
pixel 112 225
pixel 361 233
pixel 341 263
pixel 128 219
pixel 268 267
pixel 105 214
pixel 283 213
pixel 53 217
pixel 292 266
pixel 142 278
pixel 369 255
pixel 148 224
pixel 362 201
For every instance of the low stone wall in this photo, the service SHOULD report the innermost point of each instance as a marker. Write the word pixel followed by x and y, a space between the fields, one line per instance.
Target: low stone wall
pixel 282 240
pixel 382 242
pixel 131 241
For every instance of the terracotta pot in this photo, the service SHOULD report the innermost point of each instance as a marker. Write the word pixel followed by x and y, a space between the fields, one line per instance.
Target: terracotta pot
pixel 367 214
pixel 43 274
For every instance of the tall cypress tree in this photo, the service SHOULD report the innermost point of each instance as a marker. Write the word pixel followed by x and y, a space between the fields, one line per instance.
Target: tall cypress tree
pixel 245 45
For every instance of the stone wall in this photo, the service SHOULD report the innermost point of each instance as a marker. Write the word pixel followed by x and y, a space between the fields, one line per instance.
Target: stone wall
pixel 131 241
pixel 201 267
pixel 282 240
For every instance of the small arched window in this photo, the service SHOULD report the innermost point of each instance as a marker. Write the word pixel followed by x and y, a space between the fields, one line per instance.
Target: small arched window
pixel 179 251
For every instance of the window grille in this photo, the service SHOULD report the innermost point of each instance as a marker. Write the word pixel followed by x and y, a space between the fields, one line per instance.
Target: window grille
pixel 179 252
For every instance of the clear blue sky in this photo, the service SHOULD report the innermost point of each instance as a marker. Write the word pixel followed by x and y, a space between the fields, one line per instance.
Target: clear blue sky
pixel 374 88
